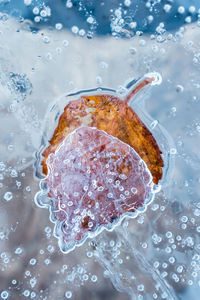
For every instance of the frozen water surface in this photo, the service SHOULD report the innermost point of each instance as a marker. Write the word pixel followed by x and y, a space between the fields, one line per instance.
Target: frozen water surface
pixel 156 255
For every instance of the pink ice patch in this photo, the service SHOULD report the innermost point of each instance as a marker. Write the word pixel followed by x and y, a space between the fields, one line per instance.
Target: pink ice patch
pixel 94 180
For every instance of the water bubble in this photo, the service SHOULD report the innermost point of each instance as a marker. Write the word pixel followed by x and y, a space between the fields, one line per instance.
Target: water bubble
pixel 94 278
pixel 33 261
pixel 154 124
pixel 75 29
pixel 47 261
pixel 19 85
pixel 26 293
pixel 85 277
pixel 140 287
pixel 173 151
pixel 167 8
pixel 13 173
pixel 133 25
pixel 172 260
pixel 188 19
pixel 2 166
pixel 132 50
pixel 8 196
pixel 181 9
pixel 27 2
pixel 127 3
pixel 47 229
pixel 68 294
pixel 179 88
pixel 82 32
pixel 46 39
pixel 58 26
pixel 36 10
pixel 98 80
pixel 192 9
pixel 4 295
pixel 50 248
pixel 168 234
pixel 33 295
pixel 43 13
pixel 184 219
pixel 90 20
pixel 18 250
pixel 156 264
pixel 69 4
pixel 65 43
pixel 33 282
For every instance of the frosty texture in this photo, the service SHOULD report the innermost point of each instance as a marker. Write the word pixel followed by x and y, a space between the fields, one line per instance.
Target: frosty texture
pixel 94 180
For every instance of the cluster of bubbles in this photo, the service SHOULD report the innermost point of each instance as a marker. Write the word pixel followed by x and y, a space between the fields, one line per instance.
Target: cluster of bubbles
pixel 127 255
pixel 19 85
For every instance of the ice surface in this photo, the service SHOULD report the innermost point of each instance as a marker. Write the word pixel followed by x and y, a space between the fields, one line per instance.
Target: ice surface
pixel 154 256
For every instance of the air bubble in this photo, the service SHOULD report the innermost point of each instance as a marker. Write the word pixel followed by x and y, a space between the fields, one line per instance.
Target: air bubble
pixel 154 124
pixel 26 293
pixel 47 261
pixel 172 260
pixel 197 212
pixel 94 278
pixel 179 88
pixel 173 151
pixel 75 29
pixel 127 3
pixel 33 295
pixel 8 196
pixel 43 13
pixel 82 32
pixel 69 4
pixel 188 19
pixel 98 80
pixel 65 43
pixel 36 10
pixel 181 10
pixel 133 50
pixel 33 261
pixel 47 229
pixel 68 294
pixel 58 26
pixel 27 2
pixel 140 287
pixel 167 8
pixel 90 20
pixel 33 282
pixel 4 295
pixel 192 9
pixel 184 219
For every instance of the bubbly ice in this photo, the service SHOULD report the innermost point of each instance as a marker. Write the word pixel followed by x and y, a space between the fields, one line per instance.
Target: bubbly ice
pixel 94 180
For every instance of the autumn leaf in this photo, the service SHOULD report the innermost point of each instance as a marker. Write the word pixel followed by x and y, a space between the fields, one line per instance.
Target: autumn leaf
pixel 114 116
pixel 101 164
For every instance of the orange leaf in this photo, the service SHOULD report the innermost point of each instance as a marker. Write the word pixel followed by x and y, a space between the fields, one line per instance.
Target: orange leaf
pixel 114 116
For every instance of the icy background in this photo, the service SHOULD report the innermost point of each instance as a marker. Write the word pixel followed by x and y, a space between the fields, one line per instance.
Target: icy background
pixel 156 255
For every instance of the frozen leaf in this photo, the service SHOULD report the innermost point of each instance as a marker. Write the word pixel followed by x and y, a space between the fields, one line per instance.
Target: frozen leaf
pixel 95 180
